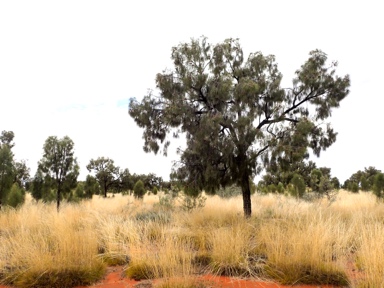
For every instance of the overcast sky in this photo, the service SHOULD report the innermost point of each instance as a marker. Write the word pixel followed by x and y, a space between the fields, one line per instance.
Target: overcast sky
pixel 69 68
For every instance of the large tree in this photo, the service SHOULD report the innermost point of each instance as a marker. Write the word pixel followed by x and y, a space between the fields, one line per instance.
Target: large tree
pixel 106 173
pixel 59 164
pixel 235 114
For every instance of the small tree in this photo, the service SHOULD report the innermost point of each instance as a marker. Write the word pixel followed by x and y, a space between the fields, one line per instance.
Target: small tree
pixel 21 173
pixel 106 173
pixel 91 187
pixel 16 196
pixel 298 186
pixel 60 165
pixel 139 190
pixel 335 182
pixel 378 185
pixel 6 172
pixel 280 188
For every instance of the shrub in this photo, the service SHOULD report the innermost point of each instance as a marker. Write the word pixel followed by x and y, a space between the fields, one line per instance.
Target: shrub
pixel 188 203
pixel 280 188
pixel 139 190
pixel 16 196
pixel 378 185
pixel 229 191
pixel 298 186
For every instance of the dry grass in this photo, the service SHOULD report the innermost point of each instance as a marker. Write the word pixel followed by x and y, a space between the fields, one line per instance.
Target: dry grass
pixel 288 240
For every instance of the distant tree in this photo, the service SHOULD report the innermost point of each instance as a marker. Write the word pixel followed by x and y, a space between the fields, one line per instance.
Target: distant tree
pixel 125 181
pixel 236 116
pixel 316 176
pixel 91 187
pixel 378 185
pixel 361 180
pixel 79 192
pixel 335 182
pixel 16 196
pixel 6 138
pixel 298 185
pixel 139 190
pixel 106 173
pixel 6 172
pixel 364 184
pixel 60 165
pixel 21 173
pixel 280 188
pixel 276 173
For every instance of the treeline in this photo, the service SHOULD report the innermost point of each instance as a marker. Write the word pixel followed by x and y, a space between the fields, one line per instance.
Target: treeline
pixel 302 177
pixel 369 179
pixel 307 177
pixel 57 172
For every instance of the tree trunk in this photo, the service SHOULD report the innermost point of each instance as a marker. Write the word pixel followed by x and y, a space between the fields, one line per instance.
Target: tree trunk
pixel 58 196
pixel 247 205
pixel 105 190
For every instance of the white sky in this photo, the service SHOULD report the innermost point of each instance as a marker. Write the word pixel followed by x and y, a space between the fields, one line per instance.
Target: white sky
pixel 69 68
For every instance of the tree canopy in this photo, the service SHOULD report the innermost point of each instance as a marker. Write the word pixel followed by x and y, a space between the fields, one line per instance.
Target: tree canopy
pixel 236 117
pixel 106 173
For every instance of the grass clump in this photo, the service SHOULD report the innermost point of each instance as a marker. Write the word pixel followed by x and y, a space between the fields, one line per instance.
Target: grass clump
pixel 56 278
pixel 141 270
pixel 183 282
pixel 304 274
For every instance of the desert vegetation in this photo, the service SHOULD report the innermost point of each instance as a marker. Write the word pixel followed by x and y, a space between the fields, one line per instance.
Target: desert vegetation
pixel 287 240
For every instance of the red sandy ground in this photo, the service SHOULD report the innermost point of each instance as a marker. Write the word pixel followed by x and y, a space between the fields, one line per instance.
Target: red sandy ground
pixel 114 279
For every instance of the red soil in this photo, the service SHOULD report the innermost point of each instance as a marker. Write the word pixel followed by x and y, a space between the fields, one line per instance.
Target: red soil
pixel 114 279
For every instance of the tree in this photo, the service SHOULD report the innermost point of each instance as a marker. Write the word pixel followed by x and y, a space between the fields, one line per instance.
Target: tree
pixel 139 190
pixel 125 182
pixel 235 115
pixel 378 184
pixel 7 169
pixel 6 138
pixel 59 164
pixel 361 179
pixel 298 185
pixel 106 173
pixel 91 187
pixel 21 173
pixel 16 196
pixel 6 172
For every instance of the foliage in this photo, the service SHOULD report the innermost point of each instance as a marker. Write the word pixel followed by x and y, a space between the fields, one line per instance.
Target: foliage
pixel 236 117
pixel 21 173
pixel 280 188
pixel 6 138
pixel 42 187
pixel 59 165
pixel 91 187
pixel 125 182
pixel 361 180
pixel 189 203
pixel 298 186
pixel 16 196
pixel 378 185
pixel 106 173
pixel 6 172
pixel 139 190
pixel 229 191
